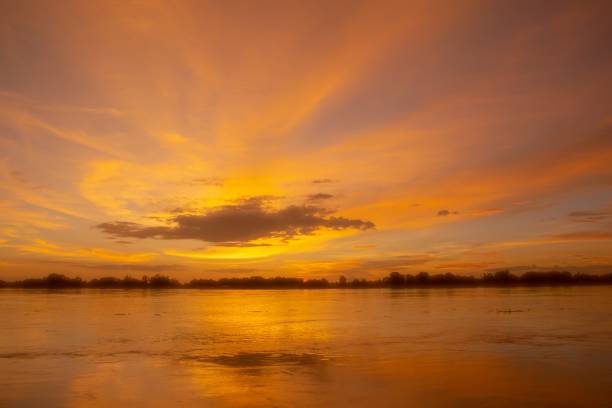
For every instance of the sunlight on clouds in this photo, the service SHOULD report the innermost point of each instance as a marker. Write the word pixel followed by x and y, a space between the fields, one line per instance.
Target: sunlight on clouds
pixel 126 189
pixel 265 248
pixel 43 247
pixel 173 138
pixel 197 111
pixel 16 220
pixel 37 195
pixel 27 122
pixel 227 253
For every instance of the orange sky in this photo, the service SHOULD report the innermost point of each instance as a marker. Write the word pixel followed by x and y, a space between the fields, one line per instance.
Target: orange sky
pixel 304 138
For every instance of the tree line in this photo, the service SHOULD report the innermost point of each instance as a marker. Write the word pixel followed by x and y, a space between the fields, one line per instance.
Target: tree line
pixel 394 279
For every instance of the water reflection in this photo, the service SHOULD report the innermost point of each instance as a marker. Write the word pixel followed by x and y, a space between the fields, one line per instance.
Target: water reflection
pixel 420 347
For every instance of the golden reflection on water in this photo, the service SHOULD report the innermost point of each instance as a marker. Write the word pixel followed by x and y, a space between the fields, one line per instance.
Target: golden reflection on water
pixel 436 347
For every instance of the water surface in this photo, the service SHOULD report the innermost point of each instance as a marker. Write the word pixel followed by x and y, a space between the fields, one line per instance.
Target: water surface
pixel 406 347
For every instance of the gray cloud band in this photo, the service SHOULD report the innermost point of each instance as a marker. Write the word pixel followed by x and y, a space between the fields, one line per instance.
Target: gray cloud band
pixel 240 223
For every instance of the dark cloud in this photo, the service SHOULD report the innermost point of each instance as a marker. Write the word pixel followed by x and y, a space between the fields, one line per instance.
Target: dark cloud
pixel 18 176
pixel 319 197
pixel 209 181
pixel 322 181
pixel 194 208
pixel 519 269
pixel 444 213
pixel 466 265
pixel 591 216
pixel 236 224
pixel 584 236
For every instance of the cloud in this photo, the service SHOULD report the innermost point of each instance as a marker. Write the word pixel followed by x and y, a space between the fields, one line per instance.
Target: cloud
pixel 375 266
pixel 235 224
pixel 161 268
pixel 209 181
pixel 584 236
pixel 365 246
pixel 466 265
pixel 591 216
pixel 394 262
pixel 319 197
pixel 444 213
pixel 485 212
pixel 594 268
pixel 241 244
pixel 322 181
pixel 42 247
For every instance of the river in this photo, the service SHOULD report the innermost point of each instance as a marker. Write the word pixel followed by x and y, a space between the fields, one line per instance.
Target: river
pixel 464 347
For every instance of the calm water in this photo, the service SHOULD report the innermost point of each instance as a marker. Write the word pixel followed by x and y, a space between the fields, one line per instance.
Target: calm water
pixel 409 347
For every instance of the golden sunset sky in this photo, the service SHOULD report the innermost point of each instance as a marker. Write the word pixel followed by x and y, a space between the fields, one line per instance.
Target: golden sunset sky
pixel 304 138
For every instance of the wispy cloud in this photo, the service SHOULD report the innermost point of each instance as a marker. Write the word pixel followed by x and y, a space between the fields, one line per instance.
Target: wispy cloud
pixel 583 236
pixel 591 216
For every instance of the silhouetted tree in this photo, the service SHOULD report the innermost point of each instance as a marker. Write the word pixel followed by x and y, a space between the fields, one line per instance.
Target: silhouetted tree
pixel 159 281
pixel 499 277
pixel 395 279
pixel 316 283
pixel 422 278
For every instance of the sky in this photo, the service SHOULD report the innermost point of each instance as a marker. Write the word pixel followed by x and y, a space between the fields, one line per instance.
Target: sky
pixel 309 139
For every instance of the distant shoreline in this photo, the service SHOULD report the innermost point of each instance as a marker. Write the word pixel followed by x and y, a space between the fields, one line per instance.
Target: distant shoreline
pixel 393 280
